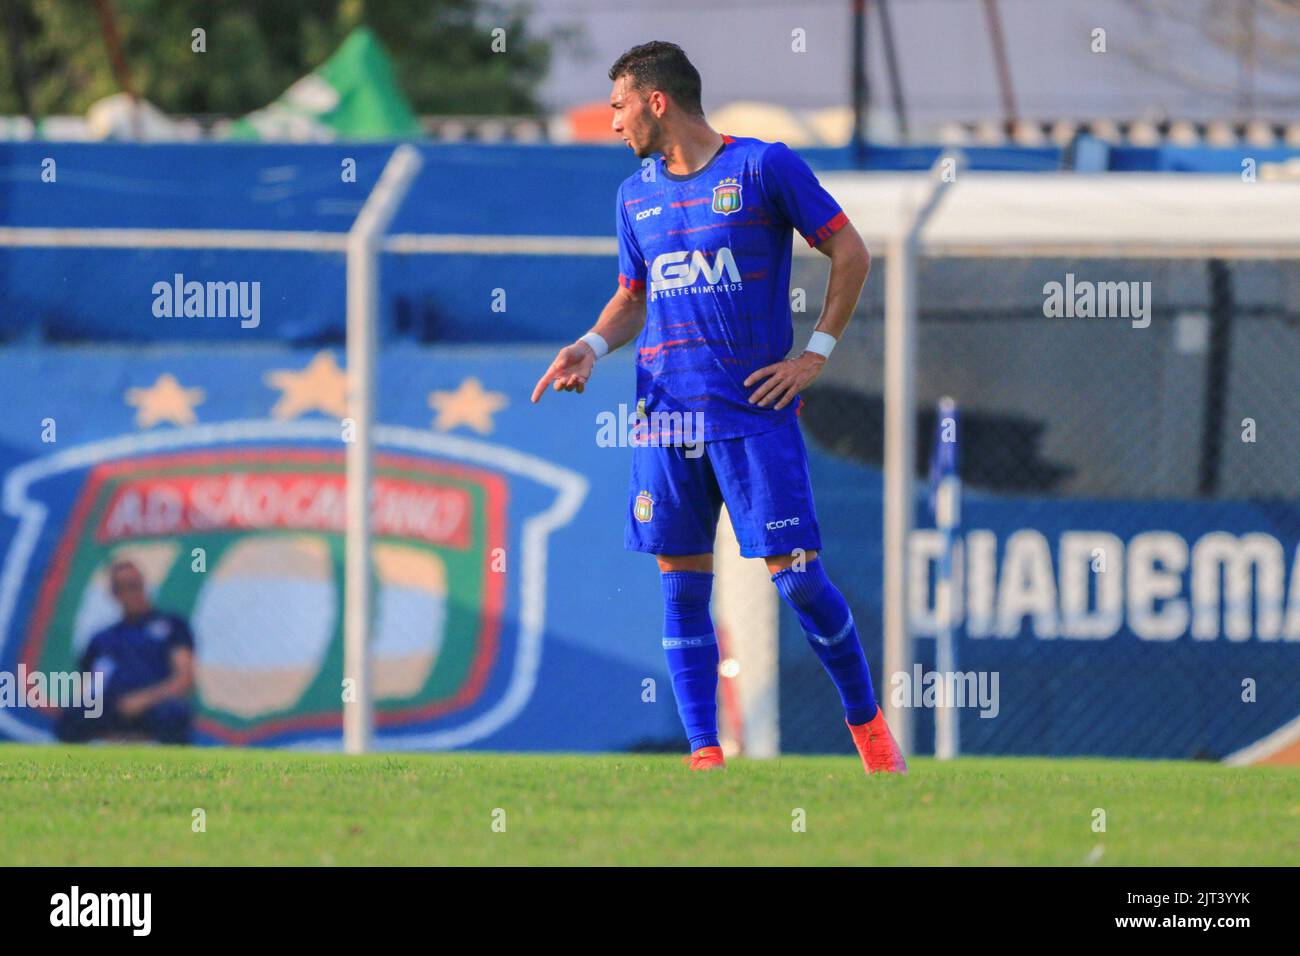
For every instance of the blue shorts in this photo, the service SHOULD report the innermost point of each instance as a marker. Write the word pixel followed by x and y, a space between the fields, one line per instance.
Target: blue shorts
pixel 675 499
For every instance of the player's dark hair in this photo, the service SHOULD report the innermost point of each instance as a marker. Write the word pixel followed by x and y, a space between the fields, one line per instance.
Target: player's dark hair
pixel 663 66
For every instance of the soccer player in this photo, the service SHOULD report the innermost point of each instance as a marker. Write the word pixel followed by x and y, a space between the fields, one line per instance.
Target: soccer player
pixel 704 249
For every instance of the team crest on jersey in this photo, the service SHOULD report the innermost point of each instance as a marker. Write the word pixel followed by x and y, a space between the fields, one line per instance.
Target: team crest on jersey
pixel 645 507
pixel 726 196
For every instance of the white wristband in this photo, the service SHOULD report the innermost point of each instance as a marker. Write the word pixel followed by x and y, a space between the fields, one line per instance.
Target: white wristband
pixel 823 343
pixel 597 343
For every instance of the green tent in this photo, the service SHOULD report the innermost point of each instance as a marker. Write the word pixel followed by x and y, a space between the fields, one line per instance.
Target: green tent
pixel 352 95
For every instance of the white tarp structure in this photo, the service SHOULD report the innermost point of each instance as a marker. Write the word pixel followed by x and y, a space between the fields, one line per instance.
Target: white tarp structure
pixel 1066 214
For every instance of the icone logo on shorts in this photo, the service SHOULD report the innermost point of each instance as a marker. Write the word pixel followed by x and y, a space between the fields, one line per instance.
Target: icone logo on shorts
pixel 675 270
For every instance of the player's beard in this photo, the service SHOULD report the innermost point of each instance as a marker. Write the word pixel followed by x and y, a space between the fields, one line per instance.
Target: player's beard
pixel 650 142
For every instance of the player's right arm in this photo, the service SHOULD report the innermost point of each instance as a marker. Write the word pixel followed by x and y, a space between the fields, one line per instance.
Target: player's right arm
pixel 620 322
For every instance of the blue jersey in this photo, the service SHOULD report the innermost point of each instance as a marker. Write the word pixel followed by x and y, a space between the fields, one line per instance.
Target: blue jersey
pixel 136 654
pixel 712 251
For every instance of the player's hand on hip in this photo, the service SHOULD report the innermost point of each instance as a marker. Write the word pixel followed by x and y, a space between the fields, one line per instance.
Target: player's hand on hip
pixel 784 380
pixel 569 372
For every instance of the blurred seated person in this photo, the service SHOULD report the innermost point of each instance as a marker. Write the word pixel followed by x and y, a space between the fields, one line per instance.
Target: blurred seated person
pixel 147 662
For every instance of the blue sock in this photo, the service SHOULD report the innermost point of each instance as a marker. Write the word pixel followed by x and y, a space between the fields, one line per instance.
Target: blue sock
pixel 828 626
pixel 692 651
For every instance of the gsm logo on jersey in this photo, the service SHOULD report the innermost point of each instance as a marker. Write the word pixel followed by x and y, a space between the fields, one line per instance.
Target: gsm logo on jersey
pixel 681 270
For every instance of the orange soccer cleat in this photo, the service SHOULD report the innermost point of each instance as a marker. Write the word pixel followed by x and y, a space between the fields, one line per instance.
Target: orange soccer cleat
pixel 876 746
pixel 706 758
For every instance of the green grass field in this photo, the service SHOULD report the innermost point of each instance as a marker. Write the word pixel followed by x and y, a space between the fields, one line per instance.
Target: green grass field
pixel 134 806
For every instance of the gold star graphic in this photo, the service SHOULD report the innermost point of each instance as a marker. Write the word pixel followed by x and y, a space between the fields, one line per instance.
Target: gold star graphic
pixel 164 401
pixel 469 405
pixel 321 387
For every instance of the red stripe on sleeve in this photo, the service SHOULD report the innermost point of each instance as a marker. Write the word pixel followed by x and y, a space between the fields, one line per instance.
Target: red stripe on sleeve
pixel 632 285
pixel 836 223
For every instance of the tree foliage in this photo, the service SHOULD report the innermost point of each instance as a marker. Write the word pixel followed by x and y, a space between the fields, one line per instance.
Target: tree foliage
pixel 442 52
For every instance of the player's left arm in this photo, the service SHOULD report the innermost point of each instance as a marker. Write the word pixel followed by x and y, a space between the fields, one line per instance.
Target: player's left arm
pixel 850 264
